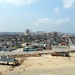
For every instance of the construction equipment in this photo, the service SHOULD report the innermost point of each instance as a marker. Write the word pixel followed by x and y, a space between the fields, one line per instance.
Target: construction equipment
pixel 65 54
pixel 8 60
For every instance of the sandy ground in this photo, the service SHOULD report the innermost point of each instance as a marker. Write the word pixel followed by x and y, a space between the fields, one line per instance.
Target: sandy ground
pixel 18 50
pixel 45 65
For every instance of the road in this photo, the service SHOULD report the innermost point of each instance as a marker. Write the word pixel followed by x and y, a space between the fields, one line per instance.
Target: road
pixel 20 51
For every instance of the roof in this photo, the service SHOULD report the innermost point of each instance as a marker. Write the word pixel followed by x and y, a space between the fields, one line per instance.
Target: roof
pixel 8 59
pixel 63 43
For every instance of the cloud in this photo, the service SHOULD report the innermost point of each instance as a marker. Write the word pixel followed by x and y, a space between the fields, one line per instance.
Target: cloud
pixel 61 21
pixel 49 21
pixel 56 10
pixel 18 2
pixel 68 3
pixel 50 24
pixel 43 21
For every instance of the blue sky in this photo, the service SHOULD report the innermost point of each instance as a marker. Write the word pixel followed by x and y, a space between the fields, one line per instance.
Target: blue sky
pixel 37 15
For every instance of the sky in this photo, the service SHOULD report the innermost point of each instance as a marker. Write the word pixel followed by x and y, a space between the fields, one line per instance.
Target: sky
pixel 37 15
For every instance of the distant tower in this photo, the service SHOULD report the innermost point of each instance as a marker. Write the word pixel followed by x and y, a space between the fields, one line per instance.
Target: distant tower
pixel 32 33
pixel 27 32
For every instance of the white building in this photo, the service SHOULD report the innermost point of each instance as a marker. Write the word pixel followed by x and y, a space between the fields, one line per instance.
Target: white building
pixel 39 33
pixel 27 32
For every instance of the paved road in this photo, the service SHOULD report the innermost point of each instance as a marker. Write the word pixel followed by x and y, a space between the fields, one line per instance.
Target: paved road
pixel 32 52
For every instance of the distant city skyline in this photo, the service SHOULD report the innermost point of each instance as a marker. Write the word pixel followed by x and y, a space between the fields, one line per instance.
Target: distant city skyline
pixel 37 15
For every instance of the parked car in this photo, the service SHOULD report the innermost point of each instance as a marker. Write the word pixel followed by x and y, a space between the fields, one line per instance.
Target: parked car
pixel 29 49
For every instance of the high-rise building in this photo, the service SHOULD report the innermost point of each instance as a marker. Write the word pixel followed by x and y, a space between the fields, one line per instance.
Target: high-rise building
pixel 27 32
pixel 39 32
pixel 55 34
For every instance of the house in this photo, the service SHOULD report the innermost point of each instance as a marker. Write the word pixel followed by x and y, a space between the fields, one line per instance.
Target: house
pixel 62 43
